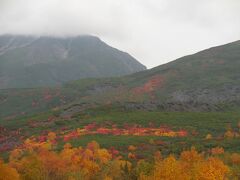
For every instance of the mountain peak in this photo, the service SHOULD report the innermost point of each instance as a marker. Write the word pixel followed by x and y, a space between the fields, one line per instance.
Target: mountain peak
pixel 30 61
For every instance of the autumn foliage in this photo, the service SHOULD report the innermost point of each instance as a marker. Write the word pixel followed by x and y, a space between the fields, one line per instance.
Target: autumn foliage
pixel 7 172
pixel 190 165
pixel 41 160
pixel 38 160
pixel 134 130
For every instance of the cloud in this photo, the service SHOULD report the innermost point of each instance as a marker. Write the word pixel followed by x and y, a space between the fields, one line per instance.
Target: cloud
pixel 154 31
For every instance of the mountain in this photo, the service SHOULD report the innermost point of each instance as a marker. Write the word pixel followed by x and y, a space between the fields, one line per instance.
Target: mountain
pixel 27 61
pixel 205 81
pixel 210 76
pixel 133 112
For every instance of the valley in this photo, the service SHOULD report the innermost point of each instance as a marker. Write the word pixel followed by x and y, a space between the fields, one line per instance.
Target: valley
pixel 188 106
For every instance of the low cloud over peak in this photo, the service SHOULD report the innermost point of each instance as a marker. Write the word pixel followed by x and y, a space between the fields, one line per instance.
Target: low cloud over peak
pixel 154 31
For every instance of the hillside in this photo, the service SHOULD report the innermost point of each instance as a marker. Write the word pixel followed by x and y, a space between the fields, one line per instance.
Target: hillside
pixel 211 76
pixel 190 102
pixel 205 81
pixel 27 61
pixel 208 80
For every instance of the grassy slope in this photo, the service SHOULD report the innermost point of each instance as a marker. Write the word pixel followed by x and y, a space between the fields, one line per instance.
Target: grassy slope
pixel 204 123
pixel 212 68
pixel 209 69
pixel 201 122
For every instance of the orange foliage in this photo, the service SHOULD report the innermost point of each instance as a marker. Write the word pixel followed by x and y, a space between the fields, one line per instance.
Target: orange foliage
pixel 132 148
pixel 208 137
pixel 136 130
pixel 150 86
pixel 39 160
pixel 235 158
pixel 52 136
pixel 229 134
pixel 168 169
pixel 191 165
pixel 131 156
pixel 7 172
pixel 217 151
pixel 35 160
pixel 212 169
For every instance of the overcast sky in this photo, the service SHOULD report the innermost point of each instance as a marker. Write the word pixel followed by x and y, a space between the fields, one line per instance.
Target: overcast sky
pixel 153 31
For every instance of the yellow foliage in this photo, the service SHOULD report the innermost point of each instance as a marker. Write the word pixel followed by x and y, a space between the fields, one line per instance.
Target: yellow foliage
pixel 52 136
pixel 132 148
pixel 168 169
pixel 212 169
pixel 103 155
pixel 67 146
pixel 229 134
pixel 191 165
pixel 208 137
pixel 123 163
pixel 7 173
pixel 107 178
pixel 92 162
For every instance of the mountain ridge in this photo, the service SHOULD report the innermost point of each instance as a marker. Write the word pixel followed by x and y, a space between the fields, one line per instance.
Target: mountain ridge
pixel 28 61
pixel 205 81
pixel 208 79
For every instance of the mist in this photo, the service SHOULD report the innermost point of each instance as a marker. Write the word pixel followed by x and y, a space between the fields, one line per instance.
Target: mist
pixel 153 31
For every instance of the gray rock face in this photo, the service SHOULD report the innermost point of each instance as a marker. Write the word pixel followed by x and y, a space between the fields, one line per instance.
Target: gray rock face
pixel 211 96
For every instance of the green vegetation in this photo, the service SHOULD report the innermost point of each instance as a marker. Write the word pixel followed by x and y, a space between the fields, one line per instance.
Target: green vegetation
pixel 197 93
pixel 197 124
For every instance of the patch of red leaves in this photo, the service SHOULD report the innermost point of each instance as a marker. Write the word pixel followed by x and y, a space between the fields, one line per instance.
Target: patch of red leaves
pixel 155 82
pixel 71 135
pixel 113 152
pixel 134 130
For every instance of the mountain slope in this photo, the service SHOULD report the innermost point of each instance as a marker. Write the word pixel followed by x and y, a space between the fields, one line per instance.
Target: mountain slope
pixel 200 74
pixel 205 81
pixel 27 61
